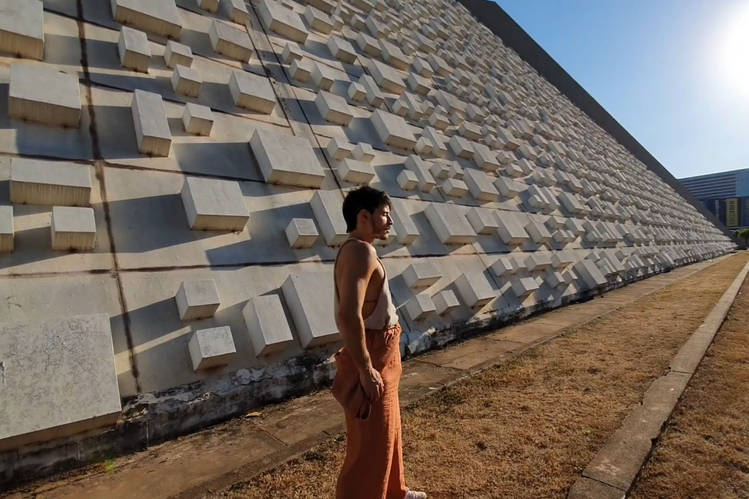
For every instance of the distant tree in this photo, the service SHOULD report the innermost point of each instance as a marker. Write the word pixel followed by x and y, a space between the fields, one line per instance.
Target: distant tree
pixel 743 234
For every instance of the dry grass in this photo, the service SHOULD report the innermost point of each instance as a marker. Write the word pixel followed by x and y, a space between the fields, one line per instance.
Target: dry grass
pixel 528 427
pixel 704 451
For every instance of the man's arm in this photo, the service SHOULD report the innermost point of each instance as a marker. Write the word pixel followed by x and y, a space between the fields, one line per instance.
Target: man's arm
pixel 356 263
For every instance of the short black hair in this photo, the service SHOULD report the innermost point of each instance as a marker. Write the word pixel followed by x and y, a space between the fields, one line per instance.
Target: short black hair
pixel 363 198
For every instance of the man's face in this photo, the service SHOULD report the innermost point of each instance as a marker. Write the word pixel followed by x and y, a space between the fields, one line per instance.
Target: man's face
pixel 381 222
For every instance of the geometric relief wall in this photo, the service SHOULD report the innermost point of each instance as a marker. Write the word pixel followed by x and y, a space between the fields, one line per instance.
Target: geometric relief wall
pixel 180 167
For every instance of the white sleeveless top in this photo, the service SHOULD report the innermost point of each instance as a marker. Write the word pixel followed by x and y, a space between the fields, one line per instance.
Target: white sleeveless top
pixel 383 314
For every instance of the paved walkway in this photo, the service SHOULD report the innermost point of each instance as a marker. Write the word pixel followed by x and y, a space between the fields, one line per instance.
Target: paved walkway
pixel 241 448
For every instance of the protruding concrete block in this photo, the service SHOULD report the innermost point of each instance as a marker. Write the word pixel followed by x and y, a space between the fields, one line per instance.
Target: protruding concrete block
pixel 356 92
pixel 356 172
pixel 445 302
pixel 333 108
pixel 405 228
pixel 301 69
pixel 484 157
pixel 73 228
pixel 461 147
pixel 282 20
pixel 186 81
pixel 407 180
pixel 421 274
pixel 309 297
pixel 505 265
pixel 326 205
pixel 197 299
pixel 177 54
pixel 65 364
pixel 151 126
pixel 322 76
pixel 418 84
pixel 341 49
pixel 554 278
pixel 453 187
pixel 34 181
pixel 538 232
pixel 22 28
pixel 386 77
pixel 508 187
pixel 230 41
pixel 212 204
pixel 41 93
pixel 286 159
pixel 375 98
pixel 6 229
pixel 562 259
pixel 161 18
pixel 480 185
pixel 339 148
pixel 252 92
pixel 538 260
pixel 393 130
pixel 209 5
pixel 363 152
pixel 449 224
pixel 368 44
pixel 482 220
pixel 213 347
pixel 318 20
pixel 523 286
pixel 420 306
pixel 393 55
pixel 291 52
pixel 266 322
pixel 236 10
pixel 301 233
pixel 511 230
pixel 421 170
pixel 197 119
pixel 590 273
pixel 474 289
pixel 134 49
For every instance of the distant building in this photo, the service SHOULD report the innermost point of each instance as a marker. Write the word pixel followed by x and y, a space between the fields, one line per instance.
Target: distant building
pixel 726 194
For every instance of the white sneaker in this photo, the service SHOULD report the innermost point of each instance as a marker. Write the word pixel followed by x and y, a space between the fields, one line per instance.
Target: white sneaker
pixel 412 494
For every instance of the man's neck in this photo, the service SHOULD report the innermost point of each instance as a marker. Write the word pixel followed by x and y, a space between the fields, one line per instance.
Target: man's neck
pixel 362 237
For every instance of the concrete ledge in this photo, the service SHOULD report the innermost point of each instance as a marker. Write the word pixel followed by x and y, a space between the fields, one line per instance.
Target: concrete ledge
pixel 619 462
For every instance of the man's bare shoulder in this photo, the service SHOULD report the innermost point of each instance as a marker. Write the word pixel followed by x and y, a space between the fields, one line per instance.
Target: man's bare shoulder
pixel 357 251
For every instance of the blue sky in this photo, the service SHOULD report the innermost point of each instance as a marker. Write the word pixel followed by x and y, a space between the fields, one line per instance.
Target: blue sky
pixel 674 73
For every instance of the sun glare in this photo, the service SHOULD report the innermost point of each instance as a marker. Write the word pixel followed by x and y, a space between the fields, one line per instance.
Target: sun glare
pixel 734 52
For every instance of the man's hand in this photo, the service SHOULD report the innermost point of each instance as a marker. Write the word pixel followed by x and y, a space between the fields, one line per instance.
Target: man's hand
pixel 371 381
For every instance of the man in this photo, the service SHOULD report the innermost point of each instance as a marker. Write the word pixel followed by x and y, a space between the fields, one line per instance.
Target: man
pixel 369 364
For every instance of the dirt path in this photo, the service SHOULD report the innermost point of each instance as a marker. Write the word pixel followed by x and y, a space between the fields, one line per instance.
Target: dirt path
pixel 704 450
pixel 528 427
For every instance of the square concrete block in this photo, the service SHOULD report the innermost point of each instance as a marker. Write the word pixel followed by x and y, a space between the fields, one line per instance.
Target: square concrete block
pixel 461 147
pixel 420 306
pixel 341 49
pixel 161 18
pixel 418 84
pixel 393 130
pixel 421 170
pixel 212 204
pixel 266 322
pixel 22 28
pixel 58 379
pixel 538 260
pixel 41 93
pixel 177 54
pixel 375 98
pixel 34 181
pixel 6 229
pixel 505 266
pixel 197 119
pixel 286 159
pixel 309 297
pixel 449 224
pixel 236 10
pixel 422 67
pixel 421 274
pixel 209 5
pixel 291 52
pixel 480 185
pixel 394 56
pixel 186 81
pixel 134 49
pixel 538 232
pixel 73 228
pixel 301 69
pixel 333 108
pixel 590 273
pixel 523 286
pixel 282 20
pixel 252 92
pixel 197 299
pixel 511 230
pixel 445 302
pixel 151 126
pixel 322 76
pixel 571 203
pixel 474 289
pixel 339 148
pixel 301 233
pixel 213 347
pixel 326 205
pixel 318 20
pixel 405 228
pixel 554 278
pixel 356 172
pixel 562 259
pixel 407 180
pixel 368 44
pixel 363 152
pixel 453 187
pixel 482 220
pixel 386 77
pixel 440 170
pixel 230 41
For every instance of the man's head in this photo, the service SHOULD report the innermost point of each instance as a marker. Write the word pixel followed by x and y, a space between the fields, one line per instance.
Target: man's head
pixel 367 211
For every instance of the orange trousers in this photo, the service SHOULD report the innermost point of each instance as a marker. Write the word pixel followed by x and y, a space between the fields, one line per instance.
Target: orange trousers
pixel 373 466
